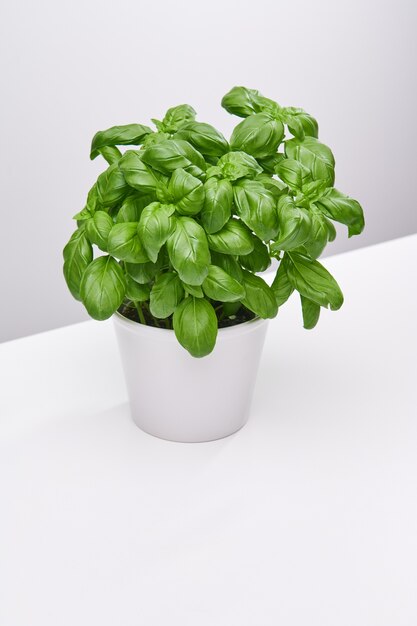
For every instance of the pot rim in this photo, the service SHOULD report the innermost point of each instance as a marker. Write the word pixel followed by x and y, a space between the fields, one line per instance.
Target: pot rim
pixel 168 333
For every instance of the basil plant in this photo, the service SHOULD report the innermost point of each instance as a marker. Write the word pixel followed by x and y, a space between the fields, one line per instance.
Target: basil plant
pixel 184 221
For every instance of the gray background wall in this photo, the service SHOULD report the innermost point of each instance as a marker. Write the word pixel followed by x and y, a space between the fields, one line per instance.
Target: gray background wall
pixel 71 68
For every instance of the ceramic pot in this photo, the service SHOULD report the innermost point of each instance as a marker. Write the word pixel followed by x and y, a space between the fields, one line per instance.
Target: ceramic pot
pixel 178 397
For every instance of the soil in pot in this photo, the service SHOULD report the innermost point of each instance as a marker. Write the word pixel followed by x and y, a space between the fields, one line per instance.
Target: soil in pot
pixel 225 318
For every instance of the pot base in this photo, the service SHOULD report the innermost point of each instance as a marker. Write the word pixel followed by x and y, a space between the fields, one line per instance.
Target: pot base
pixel 174 439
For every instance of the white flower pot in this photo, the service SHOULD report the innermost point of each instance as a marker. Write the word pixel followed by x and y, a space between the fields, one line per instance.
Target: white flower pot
pixel 178 397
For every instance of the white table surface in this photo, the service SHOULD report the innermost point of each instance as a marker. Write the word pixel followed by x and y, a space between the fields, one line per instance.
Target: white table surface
pixel 306 517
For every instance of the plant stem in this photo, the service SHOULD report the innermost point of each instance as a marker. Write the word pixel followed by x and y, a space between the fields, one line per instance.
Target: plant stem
pixel 140 313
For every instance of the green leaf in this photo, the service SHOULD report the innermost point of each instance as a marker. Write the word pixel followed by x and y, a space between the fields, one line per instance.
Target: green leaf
pixel 78 254
pixel 331 229
pixel 257 208
pixel 311 192
pixel 195 326
pixel 270 162
pixel 137 174
pixel 218 285
pixel 132 208
pixel 188 250
pixel 110 154
pixel 259 296
pixel 98 229
pixel 193 290
pixel 234 238
pixel 83 215
pixel 258 260
pixel 294 225
pixel 142 273
pixel 242 101
pixel 177 116
pixel 135 291
pixel 186 192
pixel 111 186
pixel 293 173
pixel 217 207
pixel 281 285
pixel 311 312
pixel 299 122
pixel 167 156
pixel 234 165
pixel 315 156
pixel 228 263
pixel 313 281
pixel 103 287
pixel 259 135
pixel 342 209
pixel 205 138
pixel 131 134
pixel 153 138
pixel 318 235
pixel 166 294
pixel 91 206
pixel 154 228
pixel 275 187
pixel 124 243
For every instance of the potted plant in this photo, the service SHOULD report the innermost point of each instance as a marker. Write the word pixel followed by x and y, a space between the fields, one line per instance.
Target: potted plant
pixel 182 224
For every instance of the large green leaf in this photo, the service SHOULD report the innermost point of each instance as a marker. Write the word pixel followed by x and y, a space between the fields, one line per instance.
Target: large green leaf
pixel 195 326
pixel 228 263
pixel 242 101
pixel 311 312
pixel 294 225
pixel 143 273
pixel 186 192
pixel 130 134
pixel 193 290
pixel 205 138
pixel 219 285
pixel 259 135
pixel 318 235
pixel 293 173
pixel 259 296
pixel 258 260
pixel 103 287
pixel 234 238
pixel 217 207
pixel 124 243
pixel 135 291
pixel 167 292
pixel 110 153
pixel 169 155
pixel 188 250
pixel 342 209
pixel 111 186
pixel 299 122
pixel 137 174
pixel 98 228
pixel 313 281
pixel 315 156
pixel 275 187
pixel 132 208
pixel 281 285
pixel 78 254
pixel 154 228
pixel 257 208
